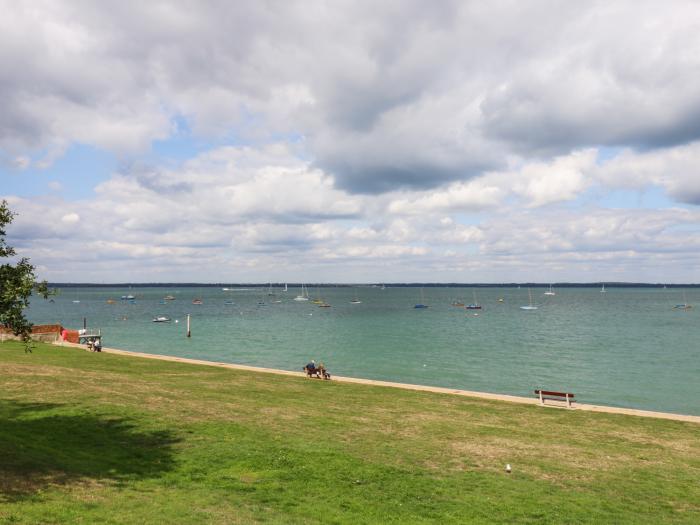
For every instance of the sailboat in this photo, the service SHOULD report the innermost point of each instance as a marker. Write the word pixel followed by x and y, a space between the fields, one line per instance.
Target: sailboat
pixel 530 306
pixel 304 296
pixel 550 291
pixel 269 291
pixel 602 289
pixel 318 299
pixel 285 287
pixel 422 301
pixel 355 300
pixel 684 305
pixel 475 305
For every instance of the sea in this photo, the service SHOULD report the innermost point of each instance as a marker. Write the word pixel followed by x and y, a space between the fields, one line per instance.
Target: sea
pixel 626 347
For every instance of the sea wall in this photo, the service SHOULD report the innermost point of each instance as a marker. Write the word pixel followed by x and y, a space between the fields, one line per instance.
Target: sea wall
pixel 46 333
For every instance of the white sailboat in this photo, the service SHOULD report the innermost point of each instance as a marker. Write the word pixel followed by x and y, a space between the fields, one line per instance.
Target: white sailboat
pixel 355 300
pixel 304 296
pixel 602 289
pixel 550 291
pixel 529 306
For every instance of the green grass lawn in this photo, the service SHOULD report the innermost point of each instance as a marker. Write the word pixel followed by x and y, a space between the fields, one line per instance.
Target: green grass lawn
pixel 88 438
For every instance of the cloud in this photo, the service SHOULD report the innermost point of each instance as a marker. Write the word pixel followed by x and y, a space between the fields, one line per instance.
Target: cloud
pixel 408 95
pixel 350 139
pixel 674 169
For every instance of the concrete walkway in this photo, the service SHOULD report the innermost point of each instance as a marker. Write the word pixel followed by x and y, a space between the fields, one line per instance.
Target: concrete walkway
pixel 405 386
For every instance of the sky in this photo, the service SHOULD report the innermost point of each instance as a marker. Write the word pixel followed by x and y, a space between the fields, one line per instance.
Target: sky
pixel 310 141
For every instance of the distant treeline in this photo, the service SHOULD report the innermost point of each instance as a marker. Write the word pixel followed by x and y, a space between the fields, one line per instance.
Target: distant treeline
pixel 609 284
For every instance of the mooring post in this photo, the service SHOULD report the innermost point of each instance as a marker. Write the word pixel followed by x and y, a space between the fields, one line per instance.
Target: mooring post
pixel 189 334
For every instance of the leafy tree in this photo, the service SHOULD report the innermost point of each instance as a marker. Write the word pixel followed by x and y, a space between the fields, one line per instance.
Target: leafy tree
pixel 16 284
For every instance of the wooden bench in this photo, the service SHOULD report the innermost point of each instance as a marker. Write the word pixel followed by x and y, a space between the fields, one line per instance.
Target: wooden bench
pixel 559 396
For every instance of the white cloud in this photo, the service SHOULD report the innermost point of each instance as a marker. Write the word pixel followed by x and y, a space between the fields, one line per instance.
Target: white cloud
pixel 70 218
pixel 355 138
pixel 363 86
pixel 677 170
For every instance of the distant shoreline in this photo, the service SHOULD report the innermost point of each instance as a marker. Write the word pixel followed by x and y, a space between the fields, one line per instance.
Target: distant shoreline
pixel 404 386
pixel 609 284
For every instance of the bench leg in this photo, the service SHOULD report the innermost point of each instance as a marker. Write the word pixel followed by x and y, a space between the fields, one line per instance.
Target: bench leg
pixel 541 398
pixel 568 401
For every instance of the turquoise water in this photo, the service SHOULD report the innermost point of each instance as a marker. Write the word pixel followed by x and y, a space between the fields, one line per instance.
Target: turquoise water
pixel 626 347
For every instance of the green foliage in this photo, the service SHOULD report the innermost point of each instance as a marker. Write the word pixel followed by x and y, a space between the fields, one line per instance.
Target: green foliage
pixel 99 438
pixel 16 284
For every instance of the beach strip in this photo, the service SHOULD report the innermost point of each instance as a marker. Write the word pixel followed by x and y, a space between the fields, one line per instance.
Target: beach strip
pixel 405 386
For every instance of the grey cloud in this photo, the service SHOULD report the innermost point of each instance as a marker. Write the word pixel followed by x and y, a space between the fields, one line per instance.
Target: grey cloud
pixel 373 178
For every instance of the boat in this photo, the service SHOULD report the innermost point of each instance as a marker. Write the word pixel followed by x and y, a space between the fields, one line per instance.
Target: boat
pixel 422 301
pixel 550 291
pixel 304 296
pixel 355 300
pixel 229 302
pixel 169 298
pixel 110 301
pixel 161 319
pixel 197 301
pixel 318 299
pixel 602 289
pixel 501 300
pixel 475 305
pixel 127 297
pixel 530 306
pixel 457 303
pixel 324 305
pixel 684 305
pixel 269 291
pixel 285 287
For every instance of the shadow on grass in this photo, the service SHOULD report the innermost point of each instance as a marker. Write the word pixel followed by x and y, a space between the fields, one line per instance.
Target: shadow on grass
pixel 41 445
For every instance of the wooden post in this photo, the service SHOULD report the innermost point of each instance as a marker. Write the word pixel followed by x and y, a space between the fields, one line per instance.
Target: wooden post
pixel 541 398
pixel 568 401
pixel 189 334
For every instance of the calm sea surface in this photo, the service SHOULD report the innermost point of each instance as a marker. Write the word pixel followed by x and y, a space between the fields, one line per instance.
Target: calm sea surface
pixel 627 347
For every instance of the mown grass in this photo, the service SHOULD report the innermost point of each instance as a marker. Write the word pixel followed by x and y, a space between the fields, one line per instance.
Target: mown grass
pixel 88 438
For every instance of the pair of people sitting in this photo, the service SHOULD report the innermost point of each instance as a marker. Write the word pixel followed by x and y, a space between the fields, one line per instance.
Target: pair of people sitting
pixel 319 370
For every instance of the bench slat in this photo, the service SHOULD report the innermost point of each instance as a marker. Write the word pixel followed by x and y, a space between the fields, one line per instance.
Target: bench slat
pixel 552 393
